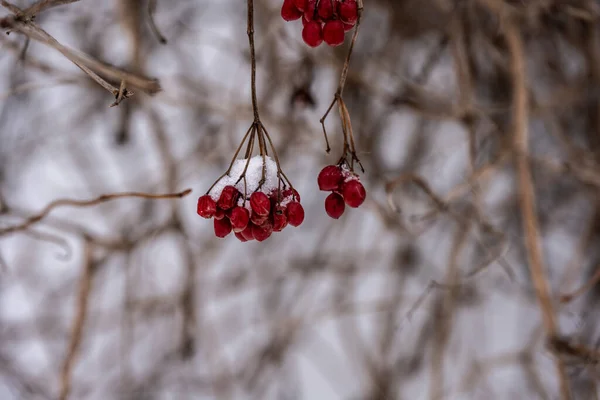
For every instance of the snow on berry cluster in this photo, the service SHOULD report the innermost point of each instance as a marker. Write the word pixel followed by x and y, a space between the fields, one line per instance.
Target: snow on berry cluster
pixel 323 20
pixel 345 189
pixel 249 208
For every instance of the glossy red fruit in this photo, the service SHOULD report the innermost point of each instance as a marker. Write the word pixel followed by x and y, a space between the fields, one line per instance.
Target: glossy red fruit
pixel 279 221
pixel 334 205
pixel 354 193
pixel 207 207
pixel 310 11
pixel 258 219
pixel 260 203
pixel 348 27
pixel 222 227
pixel 220 214
pixel 262 232
pixel 240 237
pixel 247 233
pixel 301 4
pixel 348 11
pixel 312 34
pixel 330 178
pixel 325 9
pixel 239 218
pixel 289 11
pixel 229 197
pixel 295 213
pixel 333 33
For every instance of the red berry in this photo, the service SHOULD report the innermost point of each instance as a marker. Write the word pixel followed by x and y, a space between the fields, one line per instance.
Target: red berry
pixel 222 227
pixel 260 203
pixel 301 4
pixel 330 178
pixel 309 10
pixel 333 33
pixel 207 207
pixel 354 193
pixel 262 232
pixel 289 12
pixel 240 236
pixel 334 205
pixel 247 233
pixel 239 218
pixel 229 197
pixel 312 34
pixel 325 9
pixel 295 213
pixel 348 27
pixel 293 193
pixel 348 11
pixel 258 219
pixel 220 214
pixel 279 221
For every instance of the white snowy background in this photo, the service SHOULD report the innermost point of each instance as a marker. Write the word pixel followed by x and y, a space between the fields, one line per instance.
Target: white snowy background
pixel 322 311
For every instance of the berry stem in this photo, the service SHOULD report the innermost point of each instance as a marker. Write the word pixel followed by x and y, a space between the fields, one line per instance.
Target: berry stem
pixel 349 148
pixel 250 31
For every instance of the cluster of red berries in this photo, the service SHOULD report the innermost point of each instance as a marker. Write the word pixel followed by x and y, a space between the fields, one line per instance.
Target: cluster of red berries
pixel 255 218
pixel 345 189
pixel 323 20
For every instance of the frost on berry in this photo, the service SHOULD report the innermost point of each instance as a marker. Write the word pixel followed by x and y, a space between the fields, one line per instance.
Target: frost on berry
pixel 312 34
pixel 207 207
pixel 334 205
pixel 354 193
pixel 291 193
pixel 348 11
pixel 330 178
pixel 260 203
pixel 289 11
pixel 222 227
pixel 295 213
pixel 228 198
pixel 239 218
pixel 333 33
pixel 262 232
pixel 325 9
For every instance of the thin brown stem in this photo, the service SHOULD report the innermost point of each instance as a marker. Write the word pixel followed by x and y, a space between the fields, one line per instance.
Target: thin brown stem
pixel 85 285
pixel 34 219
pixel 250 31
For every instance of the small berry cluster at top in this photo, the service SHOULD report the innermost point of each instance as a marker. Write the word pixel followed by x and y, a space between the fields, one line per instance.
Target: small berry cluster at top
pixel 345 189
pixel 269 207
pixel 323 20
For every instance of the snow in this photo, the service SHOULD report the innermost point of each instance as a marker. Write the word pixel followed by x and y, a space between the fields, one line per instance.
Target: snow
pixel 254 174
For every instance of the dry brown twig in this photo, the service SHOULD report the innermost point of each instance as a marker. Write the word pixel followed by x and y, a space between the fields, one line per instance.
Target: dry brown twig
pixel 86 203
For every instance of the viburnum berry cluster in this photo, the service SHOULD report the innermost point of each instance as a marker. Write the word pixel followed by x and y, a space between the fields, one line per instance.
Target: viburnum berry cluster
pixel 253 198
pixel 345 188
pixel 323 20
